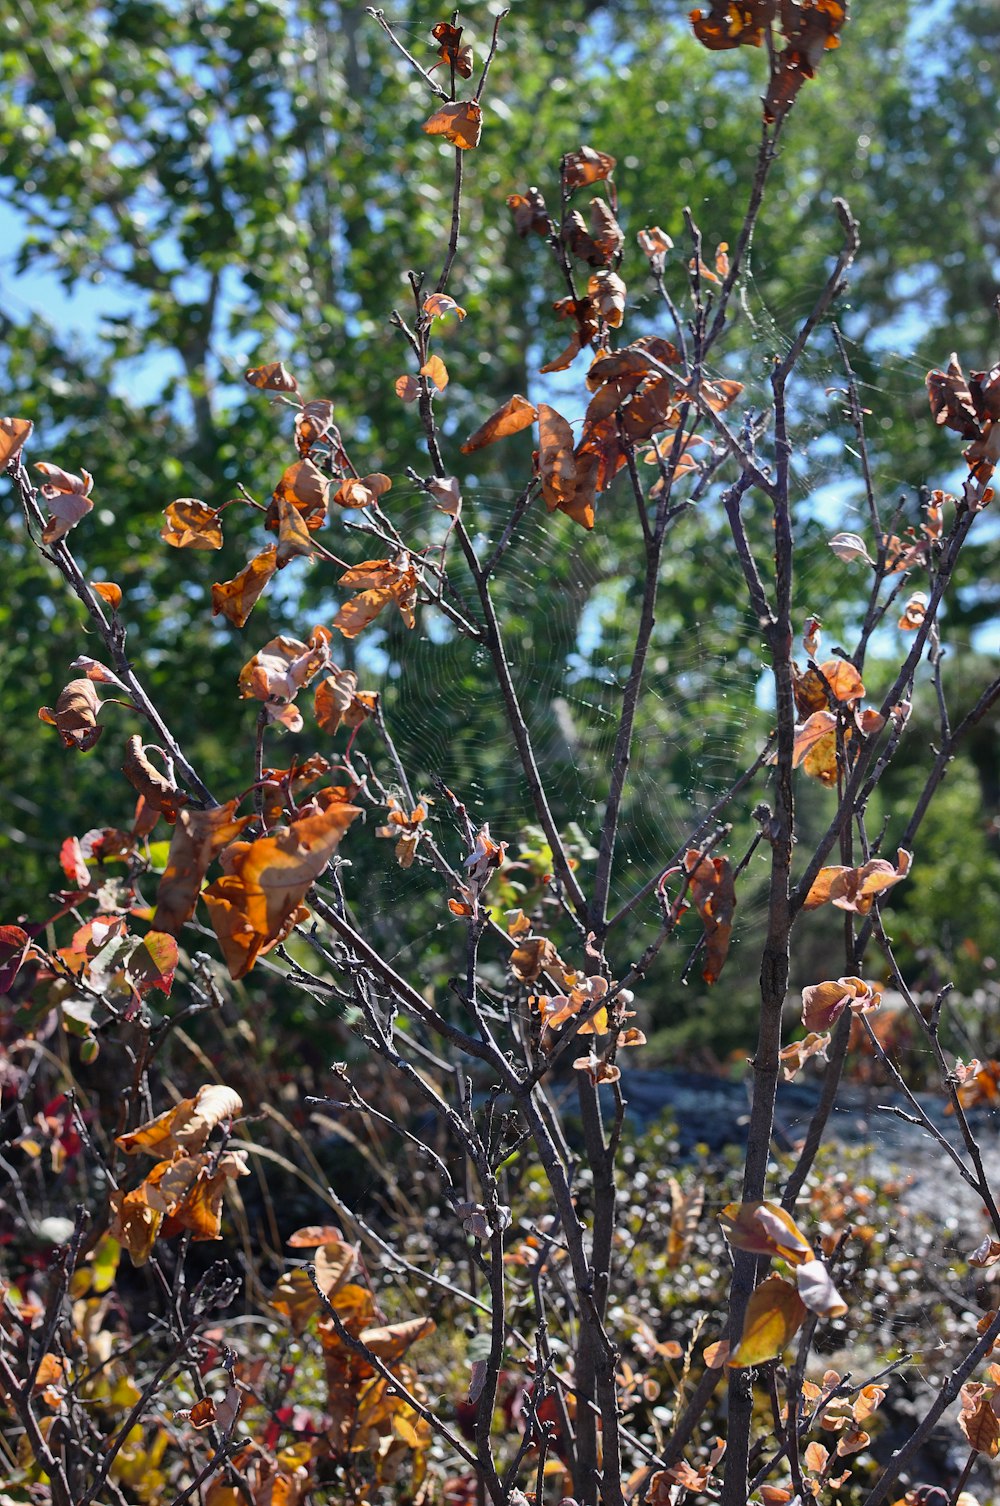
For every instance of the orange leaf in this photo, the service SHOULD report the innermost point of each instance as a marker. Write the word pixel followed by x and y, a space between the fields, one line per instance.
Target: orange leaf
pixel 363 492
pixel 857 888
pixel 794 1056
pixel 75 715
pixel 313 422
pixel 774 1315
pixel 191 525
pixel 187 1126
pixel 516 414
pixel 337 701
pixel 293 533
pixel 197 838
pixel 13 433
pixel 305 488
pixel 435 371
pixel 811 731
pixel 68 497
pixel 460 123
pixel 407 388
pixel 439 305
pixel 824 1003
pixel 235 599
pixel 109 592
pixel 312 1236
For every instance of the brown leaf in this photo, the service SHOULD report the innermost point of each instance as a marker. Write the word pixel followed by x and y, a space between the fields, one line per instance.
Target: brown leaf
pixel 685 1211
pixel 75 715
pixel 407 388
pixel 381 582
pixel 978 1420
pixel 824 1003
pixel 712 888
pixel 816 727
pixel 13 433
pixel 794 1056
pixel 440 305
pixel 68 498
pixel 305 488
pixel 293 534
pixel 338 701
pixel 187 1126
pixel 363 492
pixel 765 1229
pixel 857 888
pixel 251 905
pixel 198 837
pixel 608 292
pixel 404 829
pixel 728 25
pixel 235 599
pixel 585 166
pixel 313 423
pixel 279 670
pixel 533 956
pixel 156 789
pixel 274 377
pixel 191 524
pixel 314 1235
pixel 530 214
pixel 460 123
pixel 516 414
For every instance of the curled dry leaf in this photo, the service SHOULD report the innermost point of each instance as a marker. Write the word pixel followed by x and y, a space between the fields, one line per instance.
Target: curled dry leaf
pixel 187 1126
pixel 985 1254
pixel 850 546
pixel 108 592
pixel 404 829
pixel 274 377
pixel 235 599
pixel 654 244
pixel 447 491
pixel 304 487
pixel 585 166
pixel 380 582
pixel 824 1003
pixel 364 492
pixel 255 903
pixel 713 891
pixel 533 956
pixel 13 434
pixel 978 1419
pixel 67 497
pixel 818 1291
pixel 277 673
pixel 158 792
pixel 530 213
pixel 914 612
pixel 451 50
pixel 857 888
pixel 820 725
pixel 516 414
pixel 725 26
pixel 198 837
pixel 407 388
pixel 75 715
pixel 440 305
pixel 313 423
pixel 461 124
pixel 608 292
pixel 765 1229
pixel 191 524
pixel 293 533
pixel 568 480
pixel 338 701
pixel 794 1056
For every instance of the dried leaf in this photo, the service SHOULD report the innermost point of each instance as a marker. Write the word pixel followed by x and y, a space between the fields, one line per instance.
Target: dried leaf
pixel 436 372
pixel 187 1126
pixel 364 492
pixel 159 792
pixel 765 1229
pixel 407 388
pixel 460 123
pixel 818 1291
pixel 339 702
pixel 277 673
pixel 794 1056
pixel 68 498
pixel 191 524
pixel 198 837
pixel 530 213
pixel 274 377
pixel 382 582
pixel 75 715
pixel 313 423
pixel 585 166
pixel 516 414
pixel 13 434
pixel 774 1315
pixel 712 888
pixel 440 305
pixel 824 1003
pixel 304 487
pixel 850 546
pixel 235 599
pixel 857 888
pixel 108 592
